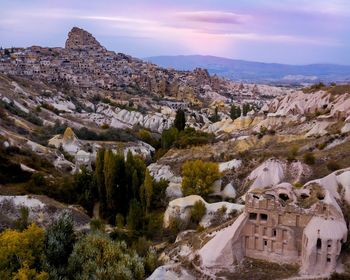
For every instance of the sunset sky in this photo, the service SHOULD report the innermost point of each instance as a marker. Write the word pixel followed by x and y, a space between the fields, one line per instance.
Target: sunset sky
pixel 284 31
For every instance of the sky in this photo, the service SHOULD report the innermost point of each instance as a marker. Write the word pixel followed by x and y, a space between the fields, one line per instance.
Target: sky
pixel 280 31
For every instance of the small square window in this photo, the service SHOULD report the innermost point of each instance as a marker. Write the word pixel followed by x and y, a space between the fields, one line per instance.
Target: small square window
pixel 253 216
pixel 263 217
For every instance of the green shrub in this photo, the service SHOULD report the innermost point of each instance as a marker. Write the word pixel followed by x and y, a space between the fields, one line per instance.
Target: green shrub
pixel 198 211
pixel 309 158
pixel 59 241
pixel 321 146
pixel 119 221
pixel 292 152
pixel 97 225
pixel 96 256
pixel 151 261
pixel 192 137
pixel 169 136
pixel 22 222
pixel 154 228
pixel 333 166
pixel 104 126
pixel 298 185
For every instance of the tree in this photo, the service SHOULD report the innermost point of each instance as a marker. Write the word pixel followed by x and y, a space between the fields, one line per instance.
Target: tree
pixel 246 108
pixel 159 194
pixel 120 188
pixel 109 176
pixel 22 253
pixel 215 117
pixel 135 216
pixel 85 189
pixel 22 221
pixel 180 120
pixel 169 136
pixel 96 256
pixel 59 241
pixel 135 184
pixel 235 112
pixel 100 179
pixel 198 177
pixel 148 192
pixel 119 221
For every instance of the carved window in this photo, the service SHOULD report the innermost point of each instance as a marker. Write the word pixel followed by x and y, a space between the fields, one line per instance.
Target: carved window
pixel 274 232
pixel 253 216
pixel 263 217
pixel 319 243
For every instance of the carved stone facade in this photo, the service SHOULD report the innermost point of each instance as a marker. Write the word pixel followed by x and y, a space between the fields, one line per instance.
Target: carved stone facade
pixel 285 225
pixel 273 231
pixel 280 228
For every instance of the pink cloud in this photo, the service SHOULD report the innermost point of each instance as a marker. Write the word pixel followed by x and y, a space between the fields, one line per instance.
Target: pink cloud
pixel 213 17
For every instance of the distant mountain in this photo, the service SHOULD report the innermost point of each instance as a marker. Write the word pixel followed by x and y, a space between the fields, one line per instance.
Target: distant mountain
pixel 251 71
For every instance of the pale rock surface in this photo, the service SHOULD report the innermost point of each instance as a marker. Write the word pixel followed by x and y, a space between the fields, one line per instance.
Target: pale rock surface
pixel 227 125
pixel 170 272
pixel 229 165
pixel 323 229
pixel 41 209
pixel 345 128
pixel 318 128
pixel 229 191
pixel 269 173
pixel 139 148
pixel 159 171
pixel 23 200
pixel 218 250
pixel 180 208
pixel 68 141
pixel 173 191
pixel 332 182
pixel 27 168
pixel 299 103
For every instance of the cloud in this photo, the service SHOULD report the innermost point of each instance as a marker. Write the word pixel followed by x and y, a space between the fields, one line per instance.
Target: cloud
pixel 281 38
pixel 213 17
pixel 117 19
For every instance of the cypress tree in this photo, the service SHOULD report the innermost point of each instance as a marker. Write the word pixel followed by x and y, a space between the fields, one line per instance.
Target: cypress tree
pixel 135 185
pixel 120 188
pixel 235 112
pixel 180 120
pixel 148 189
pixel 109 173
pixel 100 180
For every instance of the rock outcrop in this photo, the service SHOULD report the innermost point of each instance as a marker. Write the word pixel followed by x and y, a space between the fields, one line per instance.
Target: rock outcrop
pixel 79 39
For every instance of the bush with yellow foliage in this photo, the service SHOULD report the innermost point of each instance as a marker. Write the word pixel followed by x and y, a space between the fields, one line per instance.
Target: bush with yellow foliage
pixel 22 254
pixel 198 177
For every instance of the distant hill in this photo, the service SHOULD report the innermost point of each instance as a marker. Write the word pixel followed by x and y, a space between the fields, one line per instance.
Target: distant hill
pixel 251 71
